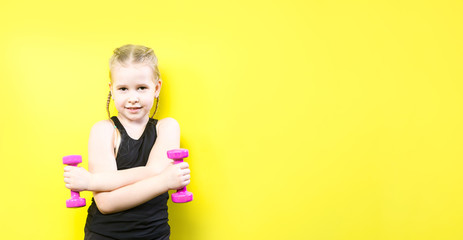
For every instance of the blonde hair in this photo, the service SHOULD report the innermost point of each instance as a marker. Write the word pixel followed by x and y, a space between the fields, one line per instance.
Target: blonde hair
pixel 126 55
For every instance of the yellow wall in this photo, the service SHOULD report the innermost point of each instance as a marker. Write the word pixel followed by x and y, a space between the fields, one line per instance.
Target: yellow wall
pixel 304 119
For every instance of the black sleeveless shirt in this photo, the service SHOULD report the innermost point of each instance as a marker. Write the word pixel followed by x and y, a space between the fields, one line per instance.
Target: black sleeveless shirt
pixel 146 221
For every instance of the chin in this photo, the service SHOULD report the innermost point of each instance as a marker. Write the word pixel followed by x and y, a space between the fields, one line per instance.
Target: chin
pixel 136 117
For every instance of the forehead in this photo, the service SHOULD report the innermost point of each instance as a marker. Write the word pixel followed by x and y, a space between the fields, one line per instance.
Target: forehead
pixel 131 72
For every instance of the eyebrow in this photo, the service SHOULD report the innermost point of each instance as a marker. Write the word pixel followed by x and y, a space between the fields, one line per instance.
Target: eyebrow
pixel 136 85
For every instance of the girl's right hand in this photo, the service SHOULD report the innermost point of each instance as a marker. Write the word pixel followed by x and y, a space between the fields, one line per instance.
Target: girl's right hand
pixel 77 178
pixel 177 175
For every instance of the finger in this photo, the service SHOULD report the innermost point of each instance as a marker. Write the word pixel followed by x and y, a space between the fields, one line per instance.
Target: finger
pixel 186 171
pixel 183 165
pixel 69 168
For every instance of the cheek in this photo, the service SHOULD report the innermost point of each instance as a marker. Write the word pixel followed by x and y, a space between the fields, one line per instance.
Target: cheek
pixel 118 100
pixel 149 101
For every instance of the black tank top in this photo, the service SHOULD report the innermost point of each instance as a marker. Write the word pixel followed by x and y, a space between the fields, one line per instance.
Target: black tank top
pixel 146 221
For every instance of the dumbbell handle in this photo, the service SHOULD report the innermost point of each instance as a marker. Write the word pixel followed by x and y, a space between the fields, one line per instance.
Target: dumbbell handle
pixel 74 194
pixel 177 161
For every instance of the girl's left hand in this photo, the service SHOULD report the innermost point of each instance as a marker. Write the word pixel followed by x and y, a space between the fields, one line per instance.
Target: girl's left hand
pixel 77 178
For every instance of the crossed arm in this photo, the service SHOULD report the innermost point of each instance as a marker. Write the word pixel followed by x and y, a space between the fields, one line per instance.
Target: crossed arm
pixel 114 190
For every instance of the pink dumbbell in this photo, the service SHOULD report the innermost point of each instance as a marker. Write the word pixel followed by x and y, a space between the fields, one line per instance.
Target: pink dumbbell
pixel 75 200
pixel 182 195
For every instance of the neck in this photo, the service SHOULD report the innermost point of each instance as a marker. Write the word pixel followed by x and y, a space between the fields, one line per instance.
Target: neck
pixel 134 128
pixel 133 123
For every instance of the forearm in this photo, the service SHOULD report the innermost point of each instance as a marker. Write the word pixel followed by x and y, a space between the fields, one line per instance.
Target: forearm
pixel 130 196
pixel 109 181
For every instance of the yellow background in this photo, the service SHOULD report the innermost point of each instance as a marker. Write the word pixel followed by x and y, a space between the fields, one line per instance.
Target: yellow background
pixel 304 119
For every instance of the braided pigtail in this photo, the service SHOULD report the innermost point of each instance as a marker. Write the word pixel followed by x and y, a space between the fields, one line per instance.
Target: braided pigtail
pixel 117 134
pixel 156 108
pixel 107 104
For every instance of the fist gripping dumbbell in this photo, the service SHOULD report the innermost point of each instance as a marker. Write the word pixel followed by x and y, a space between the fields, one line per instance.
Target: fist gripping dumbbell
pixel 182 195
pixel 75 200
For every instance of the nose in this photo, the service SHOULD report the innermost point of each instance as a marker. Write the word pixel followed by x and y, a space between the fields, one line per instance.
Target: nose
pixel 133 99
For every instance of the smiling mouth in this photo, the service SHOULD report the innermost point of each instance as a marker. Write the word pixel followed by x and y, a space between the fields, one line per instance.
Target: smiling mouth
pixel 133 109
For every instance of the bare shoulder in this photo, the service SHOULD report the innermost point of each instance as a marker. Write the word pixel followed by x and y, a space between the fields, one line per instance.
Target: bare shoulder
pixel 101 147
pixel 168 122
pixel 102 128
pixel 168 137
pixel 168 126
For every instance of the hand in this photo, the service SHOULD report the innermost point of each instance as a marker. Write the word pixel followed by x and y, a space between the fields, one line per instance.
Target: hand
pixel 177 175
pixel 77 178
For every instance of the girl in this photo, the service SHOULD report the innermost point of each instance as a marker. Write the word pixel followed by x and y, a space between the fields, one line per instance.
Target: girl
pixel 129 172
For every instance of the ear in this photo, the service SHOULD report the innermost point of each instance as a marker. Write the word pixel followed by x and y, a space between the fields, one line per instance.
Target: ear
pixel 157 88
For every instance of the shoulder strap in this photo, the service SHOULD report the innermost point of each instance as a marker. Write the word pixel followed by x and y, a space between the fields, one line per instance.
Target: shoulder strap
pixel 155 123
pixel 116 135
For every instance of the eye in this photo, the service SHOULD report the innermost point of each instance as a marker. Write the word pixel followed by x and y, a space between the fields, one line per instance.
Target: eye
pixel 122 89
pixel 142 88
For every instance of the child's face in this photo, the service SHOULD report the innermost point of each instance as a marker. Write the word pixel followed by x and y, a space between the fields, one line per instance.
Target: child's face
pixel 134 90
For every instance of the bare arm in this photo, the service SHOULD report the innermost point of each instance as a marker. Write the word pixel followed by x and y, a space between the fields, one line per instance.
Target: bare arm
pixel 173 177
pixel 166 176
pixel 168 138
pixel 104 175
pixel 79 179
pixel 108 181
